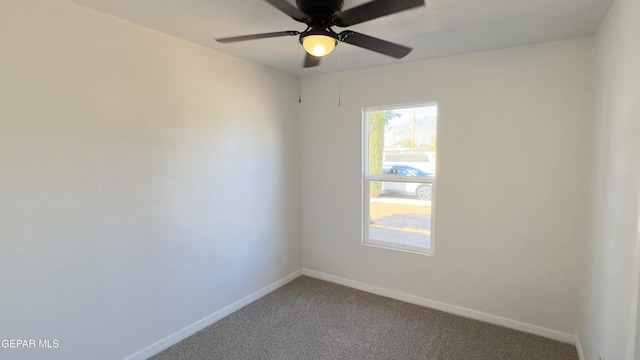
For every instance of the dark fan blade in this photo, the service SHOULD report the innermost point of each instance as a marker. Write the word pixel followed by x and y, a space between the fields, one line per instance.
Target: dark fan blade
pixel 258 36
pixel 373 10
pixel 374 44
pixel 310 61
pixel 289 9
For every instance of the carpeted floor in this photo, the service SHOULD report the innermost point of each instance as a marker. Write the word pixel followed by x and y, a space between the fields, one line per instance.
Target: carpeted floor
pixel 314 319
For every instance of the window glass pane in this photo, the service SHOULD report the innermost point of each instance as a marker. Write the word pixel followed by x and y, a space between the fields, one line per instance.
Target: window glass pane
pixel 400 159
pixel 399 217
pixel 402 142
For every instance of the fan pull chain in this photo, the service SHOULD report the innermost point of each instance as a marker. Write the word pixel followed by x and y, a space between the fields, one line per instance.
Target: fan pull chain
pixel 299 77
pixel 339 76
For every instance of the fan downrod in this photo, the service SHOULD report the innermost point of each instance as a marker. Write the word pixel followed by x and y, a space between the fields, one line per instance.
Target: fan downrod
pixel 321 8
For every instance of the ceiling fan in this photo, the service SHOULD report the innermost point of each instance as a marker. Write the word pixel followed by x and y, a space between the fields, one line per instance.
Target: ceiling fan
pixel 320 15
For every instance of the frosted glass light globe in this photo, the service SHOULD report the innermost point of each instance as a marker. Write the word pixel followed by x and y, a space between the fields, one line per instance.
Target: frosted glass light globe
pixel 319 45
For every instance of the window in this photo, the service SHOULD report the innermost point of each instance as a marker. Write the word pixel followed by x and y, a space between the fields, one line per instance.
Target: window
pixel 399 177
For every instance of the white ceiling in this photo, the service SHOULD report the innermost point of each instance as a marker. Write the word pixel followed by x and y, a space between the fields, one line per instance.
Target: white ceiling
pixel 441 28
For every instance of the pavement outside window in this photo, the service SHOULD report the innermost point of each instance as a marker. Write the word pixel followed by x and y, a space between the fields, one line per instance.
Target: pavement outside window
pixel 400 220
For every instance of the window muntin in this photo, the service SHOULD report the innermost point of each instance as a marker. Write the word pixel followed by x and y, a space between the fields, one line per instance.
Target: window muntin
pixel 399 177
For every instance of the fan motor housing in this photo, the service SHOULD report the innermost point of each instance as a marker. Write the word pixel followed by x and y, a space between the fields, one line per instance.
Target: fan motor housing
pixel 325 8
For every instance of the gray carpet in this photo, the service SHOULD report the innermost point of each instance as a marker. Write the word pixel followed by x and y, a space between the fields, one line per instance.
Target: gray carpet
pixel 314 319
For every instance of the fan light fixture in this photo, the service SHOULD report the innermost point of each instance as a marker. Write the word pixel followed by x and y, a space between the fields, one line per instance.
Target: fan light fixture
pixel 321 16
pixel 319 45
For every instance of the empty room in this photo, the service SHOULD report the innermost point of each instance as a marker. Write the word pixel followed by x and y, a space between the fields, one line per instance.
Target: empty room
pixel 320 179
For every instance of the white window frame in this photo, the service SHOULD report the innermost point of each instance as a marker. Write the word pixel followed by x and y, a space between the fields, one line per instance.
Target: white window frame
pixel 368 178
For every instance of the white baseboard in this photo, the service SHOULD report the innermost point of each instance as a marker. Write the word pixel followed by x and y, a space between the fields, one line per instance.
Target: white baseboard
pixel 452 309
pixel 218 315
pixel 579 349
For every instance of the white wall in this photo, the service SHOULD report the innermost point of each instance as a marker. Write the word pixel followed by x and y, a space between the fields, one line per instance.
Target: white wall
pixel 513 160
pixel 145 182
pixel 610 296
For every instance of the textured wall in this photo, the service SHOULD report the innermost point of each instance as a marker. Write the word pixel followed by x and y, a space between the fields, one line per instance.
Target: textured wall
pixel 513 159
pixel 610 296
pixel 145 182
